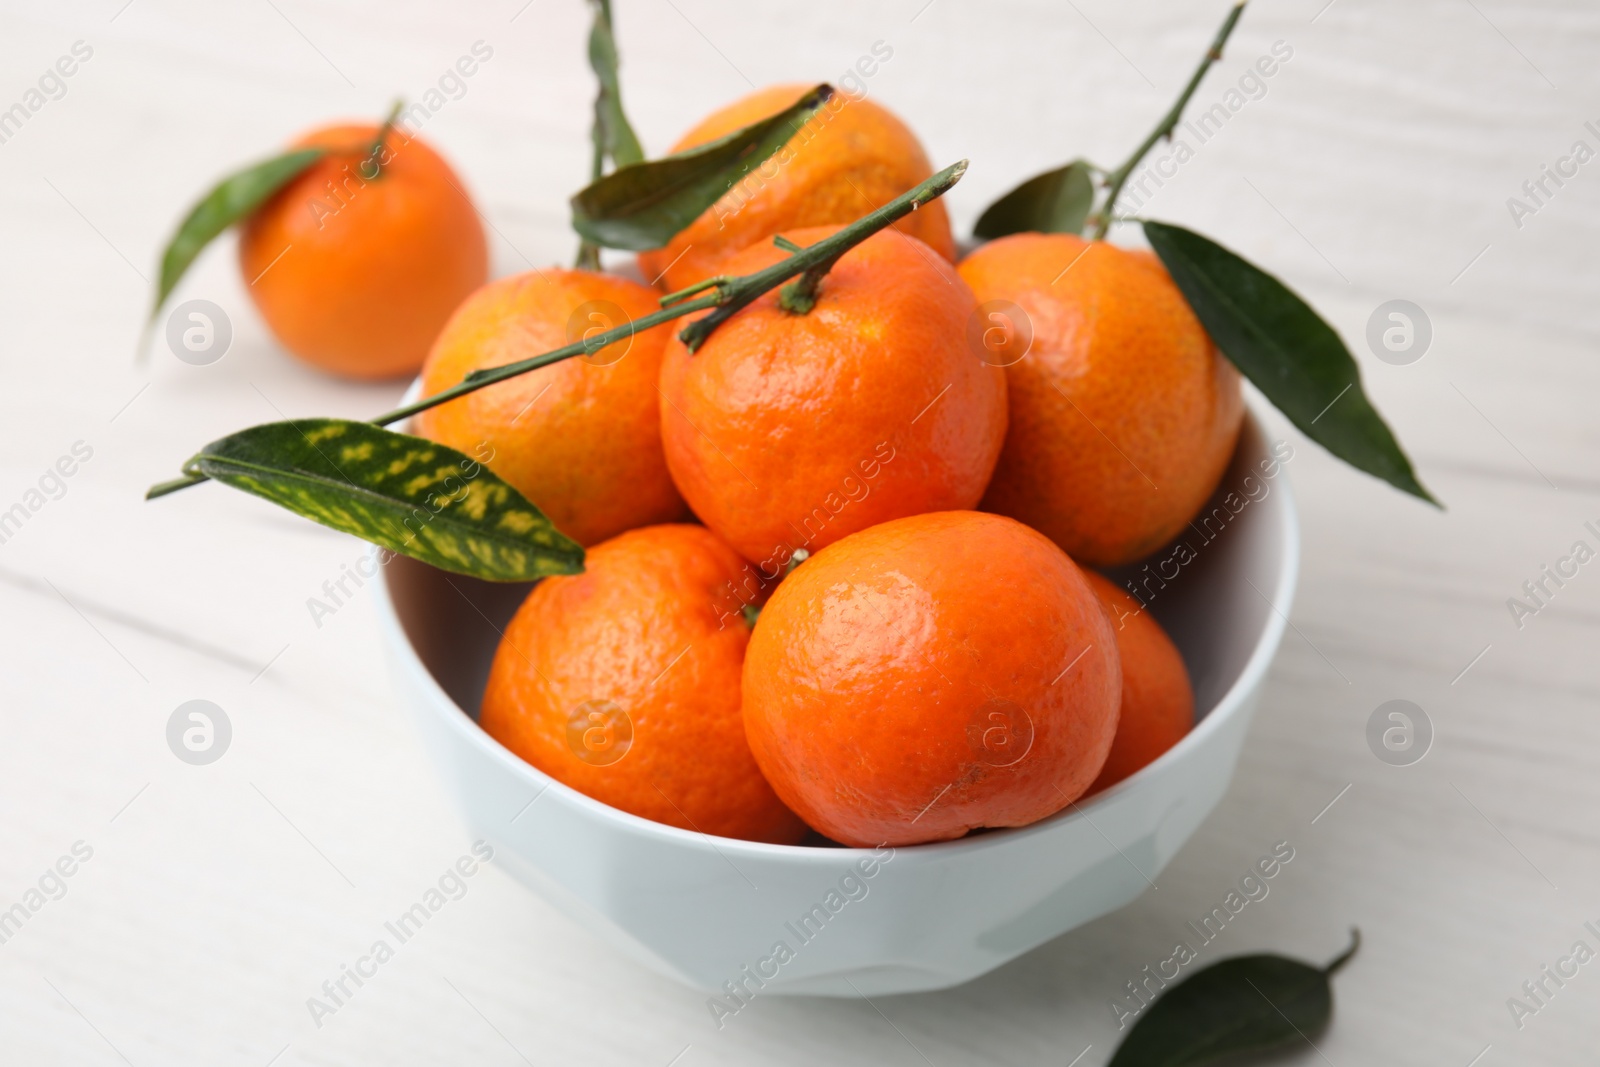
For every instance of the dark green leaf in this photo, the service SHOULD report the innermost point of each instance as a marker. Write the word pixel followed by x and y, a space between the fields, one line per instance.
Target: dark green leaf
pixel 1056 201
pixel 613 136
pixel 1245 1004
pixel 643 206
pixel 1286 349
pixel 235 197
pixel 415 496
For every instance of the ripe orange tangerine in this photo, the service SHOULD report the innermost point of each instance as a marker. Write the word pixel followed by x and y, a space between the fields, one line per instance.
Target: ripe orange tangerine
pixel 788 431
pixel 580 438
pixel 356 274
pixel 1123 413
pixel 1157 699
pixel 623 683
pixel 931 676
pixel 851 157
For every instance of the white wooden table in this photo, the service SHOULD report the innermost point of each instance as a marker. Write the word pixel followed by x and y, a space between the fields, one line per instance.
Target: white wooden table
pixel 1376 166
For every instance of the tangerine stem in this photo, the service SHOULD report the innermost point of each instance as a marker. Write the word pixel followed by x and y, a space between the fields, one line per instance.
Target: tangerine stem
pixel 698 287
pixel 1101 219
pixel 163 488
pixel 822 255
pixel 733 294
pixel 800 295
pixel 1344 957
pixel 478 379
pixel 384 131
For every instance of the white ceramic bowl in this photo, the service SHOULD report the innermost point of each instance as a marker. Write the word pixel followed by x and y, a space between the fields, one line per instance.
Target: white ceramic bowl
pixel 711 911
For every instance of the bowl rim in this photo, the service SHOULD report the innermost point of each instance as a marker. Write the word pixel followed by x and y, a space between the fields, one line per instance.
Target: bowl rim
pixel 1230 704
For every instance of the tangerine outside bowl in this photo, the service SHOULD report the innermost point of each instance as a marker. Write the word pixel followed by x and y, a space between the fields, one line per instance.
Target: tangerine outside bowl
pixel 740 919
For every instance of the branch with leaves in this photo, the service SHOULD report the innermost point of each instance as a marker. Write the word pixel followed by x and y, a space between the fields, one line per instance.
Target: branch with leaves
pixel 640 206
pixel 422 499
pixel 1275 339
pixel 237 197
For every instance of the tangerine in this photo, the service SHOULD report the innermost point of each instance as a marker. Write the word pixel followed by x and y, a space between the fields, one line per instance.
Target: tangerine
pixel 354 273
pixel 1123 413
pixel 931 676
pixel 1157 700
pixel 623 683
pixel 580 438
pixel 788 431
pixel 851 157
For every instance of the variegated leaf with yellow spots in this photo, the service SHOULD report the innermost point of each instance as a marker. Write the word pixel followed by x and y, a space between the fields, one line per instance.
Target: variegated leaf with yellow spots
pixel 406 493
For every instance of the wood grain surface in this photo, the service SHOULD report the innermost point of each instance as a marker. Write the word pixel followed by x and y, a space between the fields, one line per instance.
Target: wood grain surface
pixel 1375 164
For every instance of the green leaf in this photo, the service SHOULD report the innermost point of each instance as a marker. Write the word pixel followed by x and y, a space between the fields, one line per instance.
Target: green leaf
pixel 235 197
pixel 1287 350
pixel 1241 1005
pixel 415 496
pixel 1057 201
pixel 644 205
pixel 613 136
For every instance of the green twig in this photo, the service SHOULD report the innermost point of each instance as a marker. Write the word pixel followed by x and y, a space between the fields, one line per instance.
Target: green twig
pixel 163 488
pixel 698 287
pixel 800 295
pixel 490 375
pixel 610 132
pixel 374 160
pixel 1344 957
pixel 826 251
pixel 1101 219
